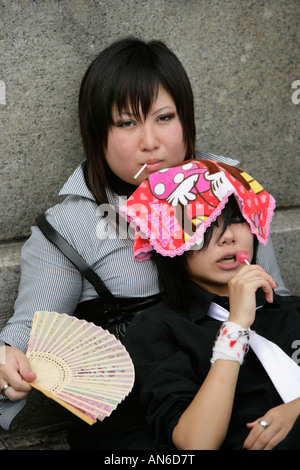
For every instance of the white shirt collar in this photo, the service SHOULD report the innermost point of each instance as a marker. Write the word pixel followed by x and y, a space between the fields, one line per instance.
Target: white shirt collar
pixel 76 185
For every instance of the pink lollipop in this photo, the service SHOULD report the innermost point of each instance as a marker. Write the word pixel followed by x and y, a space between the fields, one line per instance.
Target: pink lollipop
pixel 243 257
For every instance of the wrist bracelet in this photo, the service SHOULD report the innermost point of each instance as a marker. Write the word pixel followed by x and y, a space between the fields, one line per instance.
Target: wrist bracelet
pixel 231 344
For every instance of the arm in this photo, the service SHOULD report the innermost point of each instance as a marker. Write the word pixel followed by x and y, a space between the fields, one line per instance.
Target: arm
pixel 204 424
pixel 177 394
pixel 48 282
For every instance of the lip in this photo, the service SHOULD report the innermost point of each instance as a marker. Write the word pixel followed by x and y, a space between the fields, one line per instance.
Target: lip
pixel 154 165
pixel 228 265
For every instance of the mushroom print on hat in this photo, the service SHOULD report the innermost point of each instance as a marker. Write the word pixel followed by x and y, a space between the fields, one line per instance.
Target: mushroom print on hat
pixel 173 207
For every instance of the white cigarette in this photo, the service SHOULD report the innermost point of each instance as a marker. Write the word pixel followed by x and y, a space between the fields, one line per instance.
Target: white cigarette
pixel 140 171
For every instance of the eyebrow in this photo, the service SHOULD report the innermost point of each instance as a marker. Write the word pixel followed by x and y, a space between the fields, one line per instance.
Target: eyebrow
pixel 157 111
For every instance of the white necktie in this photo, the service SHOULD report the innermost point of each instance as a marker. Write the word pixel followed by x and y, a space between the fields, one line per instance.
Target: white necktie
pixel 282 370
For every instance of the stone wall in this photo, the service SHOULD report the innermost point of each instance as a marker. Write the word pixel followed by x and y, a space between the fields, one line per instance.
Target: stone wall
pixel 243 59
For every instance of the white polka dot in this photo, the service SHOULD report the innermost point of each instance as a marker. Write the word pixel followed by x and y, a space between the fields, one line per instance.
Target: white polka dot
pixel 164 170
pixel 178 178
pixel 187 166
pixel 159 189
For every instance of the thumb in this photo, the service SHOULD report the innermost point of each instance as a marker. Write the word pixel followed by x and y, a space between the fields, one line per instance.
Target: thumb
pixel 25 369
pixel 28 375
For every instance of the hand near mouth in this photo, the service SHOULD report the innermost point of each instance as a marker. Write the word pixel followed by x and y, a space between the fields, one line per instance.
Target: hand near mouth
pixel 242 289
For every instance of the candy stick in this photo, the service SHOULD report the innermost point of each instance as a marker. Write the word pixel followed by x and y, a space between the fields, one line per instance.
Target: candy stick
pixel 140 171
pixel 243 257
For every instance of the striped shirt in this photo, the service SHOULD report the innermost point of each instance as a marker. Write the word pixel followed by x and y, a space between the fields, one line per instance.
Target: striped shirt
pixel 49 281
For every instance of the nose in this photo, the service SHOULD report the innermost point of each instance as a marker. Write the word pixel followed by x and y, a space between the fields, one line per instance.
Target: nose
pixel 148 138
pixel 228 237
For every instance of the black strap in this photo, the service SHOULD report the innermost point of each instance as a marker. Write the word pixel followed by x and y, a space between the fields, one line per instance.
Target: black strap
pixel 52 235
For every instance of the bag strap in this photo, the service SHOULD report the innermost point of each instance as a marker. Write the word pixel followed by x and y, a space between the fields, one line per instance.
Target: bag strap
pixel 87 272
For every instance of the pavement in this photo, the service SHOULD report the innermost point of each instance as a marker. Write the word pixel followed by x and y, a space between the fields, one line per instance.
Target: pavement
pixel 50 438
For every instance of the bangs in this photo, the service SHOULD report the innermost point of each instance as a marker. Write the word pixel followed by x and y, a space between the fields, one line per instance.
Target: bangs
pixel 135 91
pixel 231 214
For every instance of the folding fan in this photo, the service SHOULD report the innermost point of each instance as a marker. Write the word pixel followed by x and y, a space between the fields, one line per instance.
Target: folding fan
pixel 79 365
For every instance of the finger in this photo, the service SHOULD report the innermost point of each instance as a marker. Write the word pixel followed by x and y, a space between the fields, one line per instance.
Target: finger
pixel 252 424
pixel 14 395
pixel 266 439
pixel 10 374
pixel 261 438
pixel 256 431
pixel 267 288
pixel 25 369
pixel 259 278
pixel 252 437
pixel 260 272
pixel 28 375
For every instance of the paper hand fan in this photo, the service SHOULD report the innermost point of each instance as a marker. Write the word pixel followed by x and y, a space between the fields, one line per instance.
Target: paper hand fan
pixel 79 365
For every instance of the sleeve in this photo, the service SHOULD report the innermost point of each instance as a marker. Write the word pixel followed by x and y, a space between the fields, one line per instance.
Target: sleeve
pixel 48 281
pixel 266 259
pixel 165 380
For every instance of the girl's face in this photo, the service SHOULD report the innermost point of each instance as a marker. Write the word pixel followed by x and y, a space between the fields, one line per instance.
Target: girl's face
pixel 213 267
pixel 157 140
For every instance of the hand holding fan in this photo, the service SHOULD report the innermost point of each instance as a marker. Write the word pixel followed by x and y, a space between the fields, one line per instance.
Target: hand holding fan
pixel 79 365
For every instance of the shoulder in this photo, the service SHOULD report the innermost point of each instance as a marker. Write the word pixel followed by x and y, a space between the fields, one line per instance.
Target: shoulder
pixel 152 336
pixel 282 317
pixel 158 321
pixel 76 218
pixel 288 301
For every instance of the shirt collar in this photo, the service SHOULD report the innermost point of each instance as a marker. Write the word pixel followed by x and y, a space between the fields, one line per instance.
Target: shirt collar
pixel 76 184
pixel 198 310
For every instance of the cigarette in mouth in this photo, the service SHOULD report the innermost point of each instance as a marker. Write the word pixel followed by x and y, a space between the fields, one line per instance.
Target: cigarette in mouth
pixel 140 171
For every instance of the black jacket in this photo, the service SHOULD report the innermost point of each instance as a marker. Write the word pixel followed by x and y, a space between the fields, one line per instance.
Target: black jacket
pixel 171 352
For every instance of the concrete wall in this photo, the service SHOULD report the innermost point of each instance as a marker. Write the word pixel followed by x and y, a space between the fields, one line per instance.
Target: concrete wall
pixel 243 59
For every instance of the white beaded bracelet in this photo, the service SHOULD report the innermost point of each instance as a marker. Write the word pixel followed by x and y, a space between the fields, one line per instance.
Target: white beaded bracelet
pixel 231 344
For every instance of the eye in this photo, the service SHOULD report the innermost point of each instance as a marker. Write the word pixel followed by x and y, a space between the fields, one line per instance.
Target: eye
pixel 166 117
pixel 125 123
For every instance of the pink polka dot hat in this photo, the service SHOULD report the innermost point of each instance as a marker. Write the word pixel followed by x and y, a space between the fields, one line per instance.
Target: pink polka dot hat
pixel 173 207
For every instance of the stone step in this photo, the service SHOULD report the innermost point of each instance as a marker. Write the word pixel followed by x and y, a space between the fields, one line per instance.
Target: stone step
pixel 285 233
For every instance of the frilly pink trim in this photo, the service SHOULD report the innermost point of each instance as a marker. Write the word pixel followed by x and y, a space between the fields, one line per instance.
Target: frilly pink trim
pixel 145 252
